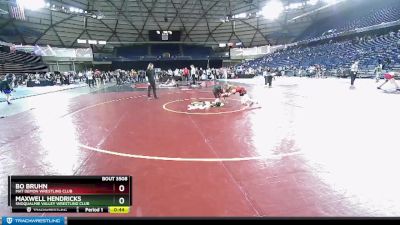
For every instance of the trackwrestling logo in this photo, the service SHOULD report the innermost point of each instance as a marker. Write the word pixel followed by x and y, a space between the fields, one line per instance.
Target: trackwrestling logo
pixel 33 220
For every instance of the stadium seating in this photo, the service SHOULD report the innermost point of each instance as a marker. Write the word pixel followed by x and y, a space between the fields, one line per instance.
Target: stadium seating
pixel 134 52
pixel 196 51
pixel 373 13
pixel 18 58
pixel 19 63
pixel 157 51
pixel 335 54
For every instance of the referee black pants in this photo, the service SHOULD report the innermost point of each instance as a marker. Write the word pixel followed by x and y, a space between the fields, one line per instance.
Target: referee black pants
pixel 193 79
pixel 268 80
pixel 353 77
pixel 152 86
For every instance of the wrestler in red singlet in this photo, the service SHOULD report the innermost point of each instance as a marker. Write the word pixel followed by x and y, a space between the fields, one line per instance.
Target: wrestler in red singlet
pixel 241 90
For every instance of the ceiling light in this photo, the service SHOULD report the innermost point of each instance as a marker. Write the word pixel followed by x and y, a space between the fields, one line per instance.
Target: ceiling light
pixel 272 10
pixel 31 4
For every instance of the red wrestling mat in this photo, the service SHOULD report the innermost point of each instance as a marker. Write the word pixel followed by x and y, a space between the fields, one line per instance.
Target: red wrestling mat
pixel 140 86
pixel 159 119
pixel 181 107
pixel 262 162
pixel 202 84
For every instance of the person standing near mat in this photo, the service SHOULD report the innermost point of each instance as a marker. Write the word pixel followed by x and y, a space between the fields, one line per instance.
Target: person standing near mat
pixel 354 72
pixel 6 87
pixel 185 75
pixel 267 73
pixel 378 71
pixel 89 77
pixel 193 74
pixel 150 76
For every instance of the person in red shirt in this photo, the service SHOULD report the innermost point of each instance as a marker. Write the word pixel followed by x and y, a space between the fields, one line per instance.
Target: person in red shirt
pixel 390 77
pixel 245 98
pixel 241 90
pixel 186 74
pixel 230 89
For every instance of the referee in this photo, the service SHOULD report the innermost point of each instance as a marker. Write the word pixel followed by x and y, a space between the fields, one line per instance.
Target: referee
pixel 150 75
pixel 354 72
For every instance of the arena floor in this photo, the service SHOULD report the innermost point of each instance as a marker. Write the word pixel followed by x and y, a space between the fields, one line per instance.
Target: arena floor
pixel 314 148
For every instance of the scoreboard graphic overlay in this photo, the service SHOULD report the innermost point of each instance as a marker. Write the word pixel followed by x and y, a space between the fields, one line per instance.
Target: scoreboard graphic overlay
pixel 70 194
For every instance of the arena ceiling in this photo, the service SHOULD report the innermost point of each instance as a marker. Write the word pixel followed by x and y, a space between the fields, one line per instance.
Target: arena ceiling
pixel 127 22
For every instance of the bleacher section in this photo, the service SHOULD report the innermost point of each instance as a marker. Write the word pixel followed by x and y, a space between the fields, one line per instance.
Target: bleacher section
pixel 196 51
pixel 372 13
pixel 20 63
pixel 134 52
pixel 158 52
pixel 19 58
pixel 335 54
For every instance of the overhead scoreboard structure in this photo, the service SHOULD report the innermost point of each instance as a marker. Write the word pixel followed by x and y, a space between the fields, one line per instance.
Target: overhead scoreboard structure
pixel 70 194
pixel 164 35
